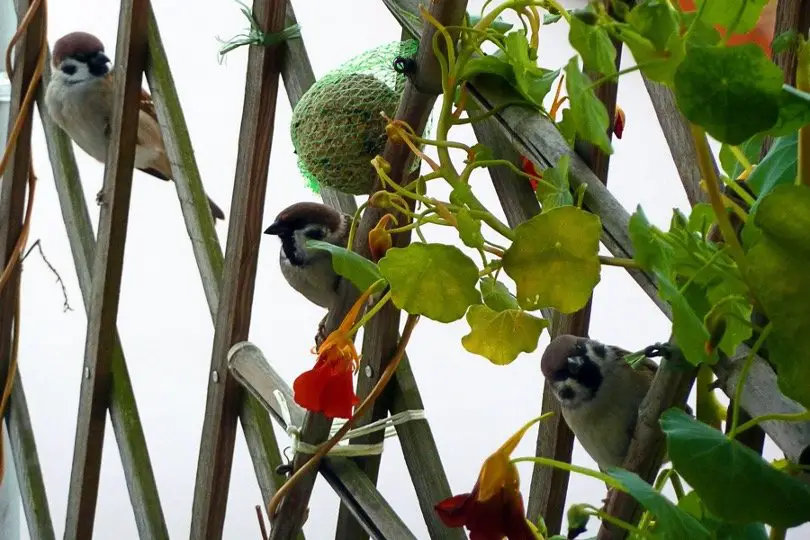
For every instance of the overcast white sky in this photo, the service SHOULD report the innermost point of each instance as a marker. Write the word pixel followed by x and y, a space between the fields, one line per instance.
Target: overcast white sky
pixel 164 321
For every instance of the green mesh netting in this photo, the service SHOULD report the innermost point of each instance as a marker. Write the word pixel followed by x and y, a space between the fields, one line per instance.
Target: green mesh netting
pixel 336 126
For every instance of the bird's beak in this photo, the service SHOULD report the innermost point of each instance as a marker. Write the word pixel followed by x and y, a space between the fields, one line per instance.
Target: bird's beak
pixel 275 229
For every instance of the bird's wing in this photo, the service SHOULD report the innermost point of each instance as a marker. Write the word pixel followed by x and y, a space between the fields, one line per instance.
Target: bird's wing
pixel 151 153
pixel 147 105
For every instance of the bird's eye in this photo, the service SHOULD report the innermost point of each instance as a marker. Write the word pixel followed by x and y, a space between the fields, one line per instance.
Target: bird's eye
pixel 315 233
pixel 574 364
pixel 68 69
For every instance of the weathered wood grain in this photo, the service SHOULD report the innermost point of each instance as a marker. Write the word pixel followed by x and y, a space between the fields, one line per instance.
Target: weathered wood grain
pixel 233 313
pixel 94 396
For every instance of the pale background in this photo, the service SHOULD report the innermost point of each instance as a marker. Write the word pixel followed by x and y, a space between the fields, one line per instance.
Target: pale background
pixel 164 321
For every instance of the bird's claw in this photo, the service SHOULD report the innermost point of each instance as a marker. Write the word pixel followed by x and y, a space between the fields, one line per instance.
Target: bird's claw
pixel 100 197
pixel 663 350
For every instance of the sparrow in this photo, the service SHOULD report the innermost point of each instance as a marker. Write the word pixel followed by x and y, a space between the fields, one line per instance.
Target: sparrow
pixel 599 393
pixel 309 271
pixel 79 99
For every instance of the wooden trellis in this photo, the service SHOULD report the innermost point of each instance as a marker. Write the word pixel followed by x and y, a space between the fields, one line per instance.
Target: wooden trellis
pixel 242 385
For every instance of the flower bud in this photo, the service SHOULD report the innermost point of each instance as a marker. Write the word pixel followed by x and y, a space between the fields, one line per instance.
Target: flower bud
pixel 618 122
pixel 386 200
pixel 379 239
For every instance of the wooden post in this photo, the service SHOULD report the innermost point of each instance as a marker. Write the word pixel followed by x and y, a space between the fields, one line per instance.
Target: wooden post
pixel 236 298
pixel 94 397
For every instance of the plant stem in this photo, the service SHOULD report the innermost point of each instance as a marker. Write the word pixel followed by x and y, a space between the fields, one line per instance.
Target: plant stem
pixel 373 311
pixel 570 467
pixel 617 261
pixel 781 417
pixel 355 223
pixel 749 360
pixel 734 22
pixel 740 192
pixel 604 516
pixel 713 187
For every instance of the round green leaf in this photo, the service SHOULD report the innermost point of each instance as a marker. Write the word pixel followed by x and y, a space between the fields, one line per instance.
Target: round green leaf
pixel 673 522
pixel 717 87
pixel 434 280
pixel 500 336
pixel 554 259
pixel 734 482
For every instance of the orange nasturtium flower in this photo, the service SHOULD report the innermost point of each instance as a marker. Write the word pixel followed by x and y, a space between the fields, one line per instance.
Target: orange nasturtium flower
pixel 379 239
pixel 494 509
pixel 328 387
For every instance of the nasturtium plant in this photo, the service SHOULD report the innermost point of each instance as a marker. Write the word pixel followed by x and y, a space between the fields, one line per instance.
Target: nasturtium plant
pixel 434 280
pixel 734 271
pixel 779 273
pixel 675 523
pixel 496 295
pixel 502 335
pixel 554 259
pixel 588 114
pixel 594 45
pixel 557 177
pixel 734 482
pixel 738 77
pixel 360 271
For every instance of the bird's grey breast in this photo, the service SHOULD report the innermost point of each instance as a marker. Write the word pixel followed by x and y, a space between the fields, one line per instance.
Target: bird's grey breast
pixel 83 111
pixel 315 278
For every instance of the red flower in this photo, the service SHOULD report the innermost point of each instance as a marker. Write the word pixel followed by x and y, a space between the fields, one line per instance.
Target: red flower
pixel 494 509
pixel 618 124
pixel 328 387
pixel 528 167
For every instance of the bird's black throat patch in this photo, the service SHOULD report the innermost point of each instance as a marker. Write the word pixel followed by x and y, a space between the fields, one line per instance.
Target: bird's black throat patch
pixel 288 245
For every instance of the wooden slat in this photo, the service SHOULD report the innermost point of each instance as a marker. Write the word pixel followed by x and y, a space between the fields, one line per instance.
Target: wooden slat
pixel 94 397
pixel 124 415
pixel 12 201
pixel 679 139
pixel 235 303
pixel 250 368
pixel 258 430
pixel 26 464
pixel 186 175
pixel 790 15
